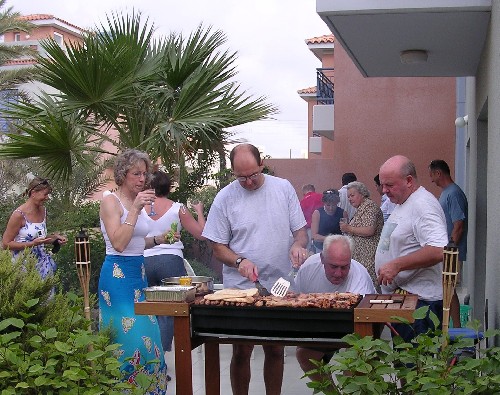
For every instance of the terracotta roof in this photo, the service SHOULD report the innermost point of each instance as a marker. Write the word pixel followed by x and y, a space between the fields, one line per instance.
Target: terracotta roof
pixel 19 62
pixel 42 17
pixel 329 38
pixel 305 91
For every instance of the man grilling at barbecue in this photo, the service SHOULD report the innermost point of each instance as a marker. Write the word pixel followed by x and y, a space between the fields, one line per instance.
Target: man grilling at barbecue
pixel 332 270
pixel 257 230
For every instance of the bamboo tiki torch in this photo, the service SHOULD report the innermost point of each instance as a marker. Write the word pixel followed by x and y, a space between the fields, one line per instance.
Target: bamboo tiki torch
pixel 450 274
pixel 82 260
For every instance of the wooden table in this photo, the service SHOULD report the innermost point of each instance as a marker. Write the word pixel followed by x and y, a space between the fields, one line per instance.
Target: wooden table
pixel 368 320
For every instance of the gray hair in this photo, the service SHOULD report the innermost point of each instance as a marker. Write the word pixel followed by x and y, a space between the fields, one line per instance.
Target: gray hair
pixel 346 240
pixel 360 187
pixel 128 159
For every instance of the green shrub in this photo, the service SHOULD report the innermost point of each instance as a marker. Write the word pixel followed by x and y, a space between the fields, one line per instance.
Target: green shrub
pixel 46 346
pixel 373 366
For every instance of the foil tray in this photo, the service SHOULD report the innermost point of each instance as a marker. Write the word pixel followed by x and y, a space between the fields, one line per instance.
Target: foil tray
pixel 174 293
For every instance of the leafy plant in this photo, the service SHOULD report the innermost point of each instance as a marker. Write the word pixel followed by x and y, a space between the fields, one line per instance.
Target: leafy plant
pixel 46 346
pixel 372 366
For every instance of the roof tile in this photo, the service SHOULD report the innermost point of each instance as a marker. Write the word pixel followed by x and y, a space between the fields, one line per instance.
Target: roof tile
pixel 43 17
pixel 328 38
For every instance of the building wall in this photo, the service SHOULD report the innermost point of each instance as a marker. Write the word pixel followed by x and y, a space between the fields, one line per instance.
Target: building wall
pixel 484 188
pixel 376 118
pixel 319 172
pixel 41 33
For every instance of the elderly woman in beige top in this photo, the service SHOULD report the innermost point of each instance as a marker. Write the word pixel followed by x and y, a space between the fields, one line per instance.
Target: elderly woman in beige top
pixel 365 227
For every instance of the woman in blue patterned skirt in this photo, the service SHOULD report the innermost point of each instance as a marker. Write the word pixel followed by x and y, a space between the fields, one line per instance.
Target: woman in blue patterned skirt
pixel 124 225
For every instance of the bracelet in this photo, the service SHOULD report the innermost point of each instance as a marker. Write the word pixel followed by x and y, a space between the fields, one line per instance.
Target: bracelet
pixel 154 241
pixel 129 224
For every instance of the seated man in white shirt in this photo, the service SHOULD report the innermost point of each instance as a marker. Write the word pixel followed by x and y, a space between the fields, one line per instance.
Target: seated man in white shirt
pixel 332 270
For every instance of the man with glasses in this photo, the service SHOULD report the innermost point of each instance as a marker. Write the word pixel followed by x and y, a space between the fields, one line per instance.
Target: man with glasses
pixel 257 230
pixel 332 270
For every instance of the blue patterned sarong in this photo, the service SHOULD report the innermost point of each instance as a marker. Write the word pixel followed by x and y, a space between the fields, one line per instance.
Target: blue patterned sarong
pixel 121 283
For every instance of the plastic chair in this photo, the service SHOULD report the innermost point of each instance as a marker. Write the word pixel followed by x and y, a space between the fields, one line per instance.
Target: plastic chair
pixel 466 333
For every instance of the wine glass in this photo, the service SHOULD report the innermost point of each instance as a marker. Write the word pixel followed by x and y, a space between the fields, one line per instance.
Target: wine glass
pixel 153 212
pixel 343 220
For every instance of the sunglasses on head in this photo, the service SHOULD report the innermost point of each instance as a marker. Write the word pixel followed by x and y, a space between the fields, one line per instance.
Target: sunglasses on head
pixel 43 182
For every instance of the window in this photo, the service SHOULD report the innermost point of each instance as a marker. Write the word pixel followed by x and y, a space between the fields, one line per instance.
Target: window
pixel 7 97
pixel 17 36
pixel 59 39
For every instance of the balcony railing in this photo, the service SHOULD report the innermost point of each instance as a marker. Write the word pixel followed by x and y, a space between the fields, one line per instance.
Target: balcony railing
pixel 324 85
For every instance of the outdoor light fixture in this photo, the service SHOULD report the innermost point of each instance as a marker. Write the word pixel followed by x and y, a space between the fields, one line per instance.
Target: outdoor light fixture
pixel 413 56
pixel 460 122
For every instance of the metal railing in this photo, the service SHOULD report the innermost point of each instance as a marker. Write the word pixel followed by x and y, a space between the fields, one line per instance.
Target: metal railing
pixel 324 86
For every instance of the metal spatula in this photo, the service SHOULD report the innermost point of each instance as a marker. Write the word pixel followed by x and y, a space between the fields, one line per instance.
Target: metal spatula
pixel 280 287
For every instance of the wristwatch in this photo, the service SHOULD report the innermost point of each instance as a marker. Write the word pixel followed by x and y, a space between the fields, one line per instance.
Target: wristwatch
pixel 238 261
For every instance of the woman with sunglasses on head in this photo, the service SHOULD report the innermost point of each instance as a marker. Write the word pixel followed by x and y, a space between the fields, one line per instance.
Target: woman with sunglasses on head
pixel 326 220
pixel 27 227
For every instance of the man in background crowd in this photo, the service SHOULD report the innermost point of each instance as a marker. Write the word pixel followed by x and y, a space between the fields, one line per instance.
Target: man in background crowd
pixel 311 200
pixel 455 207
pixel 344 201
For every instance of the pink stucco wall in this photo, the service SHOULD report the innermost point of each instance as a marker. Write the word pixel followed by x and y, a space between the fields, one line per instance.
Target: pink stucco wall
pixel 376 118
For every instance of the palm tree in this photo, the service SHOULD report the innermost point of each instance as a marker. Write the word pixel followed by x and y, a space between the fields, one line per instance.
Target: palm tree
pixel 173 98
pixel 9 21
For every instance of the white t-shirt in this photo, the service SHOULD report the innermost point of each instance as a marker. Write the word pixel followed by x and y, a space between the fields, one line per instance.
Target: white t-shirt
pixel 311 277
pixel 386 206
pixel 257 225
pixel 162 225
pixel 418 222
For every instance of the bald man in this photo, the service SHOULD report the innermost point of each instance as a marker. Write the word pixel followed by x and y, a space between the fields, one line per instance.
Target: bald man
pixel 257 230
pixel 410 252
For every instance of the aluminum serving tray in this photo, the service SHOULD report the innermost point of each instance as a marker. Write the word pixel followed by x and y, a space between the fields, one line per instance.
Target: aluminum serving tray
pixel 172 293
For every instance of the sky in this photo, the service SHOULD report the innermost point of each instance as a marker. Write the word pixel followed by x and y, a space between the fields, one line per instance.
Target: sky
pixel 268 36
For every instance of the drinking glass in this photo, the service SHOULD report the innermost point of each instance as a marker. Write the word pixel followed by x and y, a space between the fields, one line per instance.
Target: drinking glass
pixel 153 212
pixel 343 221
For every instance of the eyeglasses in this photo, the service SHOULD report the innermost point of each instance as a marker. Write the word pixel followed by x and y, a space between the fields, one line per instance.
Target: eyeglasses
pixel 251 177
pixel 334 267
pixel 43 182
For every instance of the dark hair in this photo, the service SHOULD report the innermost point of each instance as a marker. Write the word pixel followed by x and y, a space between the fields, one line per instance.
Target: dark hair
pixel 377 180
pixel 161 183
pixel 248 147
pixel 37 184
pixel 330 196
pixel 348 177
pixel 439 164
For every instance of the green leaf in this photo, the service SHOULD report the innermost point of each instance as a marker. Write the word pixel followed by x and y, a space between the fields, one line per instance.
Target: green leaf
pixel 15 322
pixel 32 302
pixel 63 347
